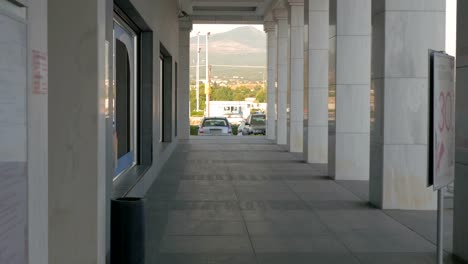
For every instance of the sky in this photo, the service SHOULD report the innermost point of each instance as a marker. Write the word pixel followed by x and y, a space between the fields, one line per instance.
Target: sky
pixel 217 28
pixel 450 28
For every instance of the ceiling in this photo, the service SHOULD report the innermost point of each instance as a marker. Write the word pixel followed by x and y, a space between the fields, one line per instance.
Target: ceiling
pixel 227 11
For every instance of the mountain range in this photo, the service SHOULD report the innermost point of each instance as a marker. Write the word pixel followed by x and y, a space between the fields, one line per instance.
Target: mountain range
pixel 239 48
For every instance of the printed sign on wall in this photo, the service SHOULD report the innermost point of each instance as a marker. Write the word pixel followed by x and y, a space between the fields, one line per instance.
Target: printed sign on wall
pixel 442 120
pixel 40 70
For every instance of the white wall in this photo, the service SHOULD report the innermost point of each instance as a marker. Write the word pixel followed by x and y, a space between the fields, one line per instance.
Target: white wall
pixel 38 144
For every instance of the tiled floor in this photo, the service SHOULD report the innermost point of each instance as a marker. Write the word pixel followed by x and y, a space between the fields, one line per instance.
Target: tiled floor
pixel 245 200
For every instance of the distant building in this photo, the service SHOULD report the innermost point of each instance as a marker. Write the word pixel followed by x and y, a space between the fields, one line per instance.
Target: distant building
pixel 232 108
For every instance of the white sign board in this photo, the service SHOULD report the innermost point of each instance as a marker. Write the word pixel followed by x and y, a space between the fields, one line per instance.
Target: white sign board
pixel 442 120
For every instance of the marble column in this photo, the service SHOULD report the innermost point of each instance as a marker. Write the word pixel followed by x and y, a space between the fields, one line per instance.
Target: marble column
pixel 183 93
pixel 281 16
pixel 460 214
pixel 270 29
pixel 296 133
pixel 402 34
pixel 316 139
pixel 77 139
pixel 353 50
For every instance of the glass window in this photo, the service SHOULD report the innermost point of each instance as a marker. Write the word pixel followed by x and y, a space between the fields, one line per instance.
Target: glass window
pixel 125 92
pixel 258 120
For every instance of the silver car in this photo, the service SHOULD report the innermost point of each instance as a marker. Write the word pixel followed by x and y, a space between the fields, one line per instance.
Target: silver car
pixel 215 126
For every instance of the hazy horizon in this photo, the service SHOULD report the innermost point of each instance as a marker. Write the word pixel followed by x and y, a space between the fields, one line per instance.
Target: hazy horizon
pixel 219 28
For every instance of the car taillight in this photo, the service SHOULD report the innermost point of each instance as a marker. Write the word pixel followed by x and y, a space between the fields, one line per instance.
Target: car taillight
pixel 229 131
pixel 200 130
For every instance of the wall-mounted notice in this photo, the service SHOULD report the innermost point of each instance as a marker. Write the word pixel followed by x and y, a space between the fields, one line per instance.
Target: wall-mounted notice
pixel 441 120
pixel 40 71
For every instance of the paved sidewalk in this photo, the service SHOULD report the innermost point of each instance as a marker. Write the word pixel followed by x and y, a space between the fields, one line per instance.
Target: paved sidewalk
pixel 244 200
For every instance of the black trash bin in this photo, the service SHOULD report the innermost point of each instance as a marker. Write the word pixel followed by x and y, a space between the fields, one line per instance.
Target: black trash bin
pixel 128 231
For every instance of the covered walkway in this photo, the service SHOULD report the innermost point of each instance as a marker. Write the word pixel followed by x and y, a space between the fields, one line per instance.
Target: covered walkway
pixel 246 200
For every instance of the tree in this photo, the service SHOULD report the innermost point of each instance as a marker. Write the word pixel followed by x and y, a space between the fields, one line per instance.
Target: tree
pixel 261 96
pixel 193 99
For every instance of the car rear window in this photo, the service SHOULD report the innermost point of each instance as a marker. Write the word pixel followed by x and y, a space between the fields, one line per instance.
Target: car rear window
pixel 215 123
pixel 258 120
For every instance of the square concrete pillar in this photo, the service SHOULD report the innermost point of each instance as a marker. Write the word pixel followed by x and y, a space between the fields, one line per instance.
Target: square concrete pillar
pixel 281 17
pixel 77 140
pixel 183 93
pixel 402 34
pixel 270 29
pixel 460 215
pixel 296 133
pixel 316 139
pixel 350 157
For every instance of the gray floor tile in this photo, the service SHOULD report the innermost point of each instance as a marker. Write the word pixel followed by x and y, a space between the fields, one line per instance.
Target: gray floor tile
pixel 205 227
pixel 206 196
pixel 216 200
pixel 203 259
pixel 280 205
pixel 359 188
pixel 287 227
pixel 207 215
pixel 307 258
pixel 374 241
pixel 425 223
pixel 261 186
pixel 283 244
pixel 400 258
pixel 328 196
pixel 275 215
pixel 340 221
pixel 206 244
pixel 267 196
pixel 340 205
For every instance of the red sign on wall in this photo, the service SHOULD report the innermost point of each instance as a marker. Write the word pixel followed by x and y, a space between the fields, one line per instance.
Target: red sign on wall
pixel 40 70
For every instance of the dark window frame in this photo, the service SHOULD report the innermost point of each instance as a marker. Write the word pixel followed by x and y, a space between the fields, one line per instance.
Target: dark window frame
pixel 144 92
pixel 167 88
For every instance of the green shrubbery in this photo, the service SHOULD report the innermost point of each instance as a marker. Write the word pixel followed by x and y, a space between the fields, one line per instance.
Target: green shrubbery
pixel 197 114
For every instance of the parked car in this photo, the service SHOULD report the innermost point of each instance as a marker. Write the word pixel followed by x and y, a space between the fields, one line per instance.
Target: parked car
pixel 255 124
pixel 214 126
pixel 241 128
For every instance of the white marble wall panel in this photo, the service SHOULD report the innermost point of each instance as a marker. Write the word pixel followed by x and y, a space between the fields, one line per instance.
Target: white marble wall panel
pixel 270 29
pixel 403 31
pixel 281 16
pixel 296 133
pixel 350 17
pixel 404 183
pixel 38 140
pixel 185 26
pixel 353 59
pixel 353 77
pixel 406 99
pixel 316 139
pixel 77 126
pixel 350 146
pixel 410 34
pixel 349 98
